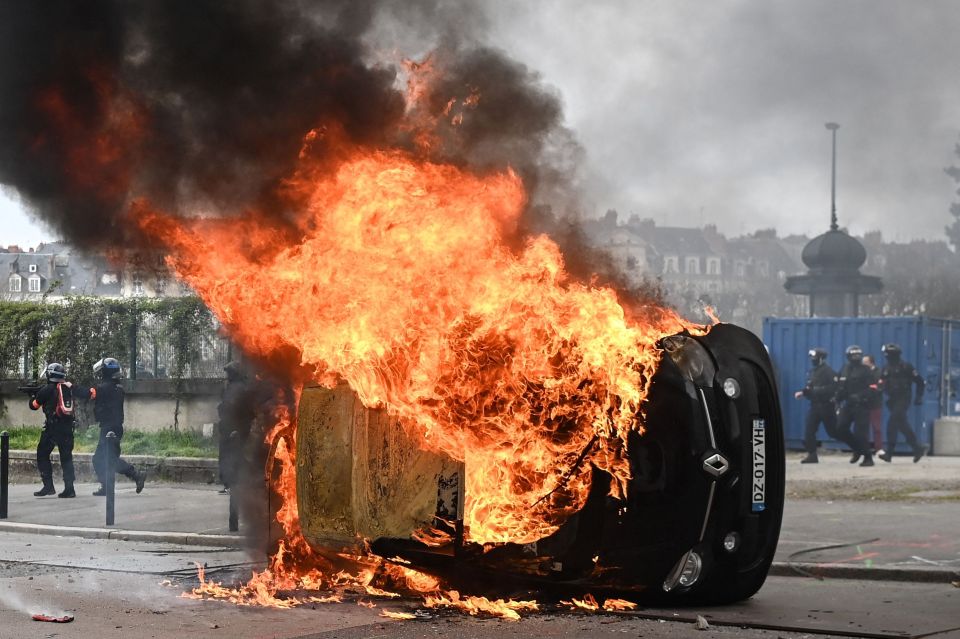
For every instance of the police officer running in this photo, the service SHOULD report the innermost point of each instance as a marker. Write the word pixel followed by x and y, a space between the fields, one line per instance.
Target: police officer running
pixel 858 387
pixel 108 411
pixel 820 389
pixel 897 379
pixel 56 400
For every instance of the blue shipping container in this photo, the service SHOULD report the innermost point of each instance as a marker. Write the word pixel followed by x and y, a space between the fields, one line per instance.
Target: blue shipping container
pixel 931 345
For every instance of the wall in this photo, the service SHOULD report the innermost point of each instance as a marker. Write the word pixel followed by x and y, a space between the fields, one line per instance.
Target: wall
pixel 149 406
pixel 931 345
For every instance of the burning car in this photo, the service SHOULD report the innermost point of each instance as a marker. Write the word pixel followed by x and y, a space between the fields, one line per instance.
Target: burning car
pixel 477 395
pixel 698 522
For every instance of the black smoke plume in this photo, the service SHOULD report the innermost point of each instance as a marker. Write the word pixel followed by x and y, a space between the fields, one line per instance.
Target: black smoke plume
pixel 203 106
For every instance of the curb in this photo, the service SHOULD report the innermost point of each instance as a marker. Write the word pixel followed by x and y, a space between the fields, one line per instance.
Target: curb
pixel 200 470
pixel 777 569
pixel 844 571
pixel 181 538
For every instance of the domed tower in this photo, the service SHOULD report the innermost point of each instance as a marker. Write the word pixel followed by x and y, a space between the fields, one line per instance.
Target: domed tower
pixel 833 280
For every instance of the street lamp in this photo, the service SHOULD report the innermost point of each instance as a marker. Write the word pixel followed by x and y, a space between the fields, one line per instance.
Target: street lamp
pixel 833 126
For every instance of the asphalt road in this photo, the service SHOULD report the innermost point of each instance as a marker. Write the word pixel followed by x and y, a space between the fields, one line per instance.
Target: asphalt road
pixel 133 589
pixel 919 535
pixel 125 589
pixel 871 534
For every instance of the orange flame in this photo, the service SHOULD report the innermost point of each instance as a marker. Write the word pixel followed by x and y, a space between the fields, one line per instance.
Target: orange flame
pixel 403 285
pixel 588 603
pixel 397 615
pixel 405 281
pixel 615 605
pixel 505 609
pixel 712 314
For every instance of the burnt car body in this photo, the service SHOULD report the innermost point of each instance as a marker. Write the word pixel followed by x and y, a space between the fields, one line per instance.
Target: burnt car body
pixel 701 516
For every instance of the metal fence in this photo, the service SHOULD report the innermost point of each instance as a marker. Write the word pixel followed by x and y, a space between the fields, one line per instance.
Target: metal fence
pixel 148 346
pixel 156 354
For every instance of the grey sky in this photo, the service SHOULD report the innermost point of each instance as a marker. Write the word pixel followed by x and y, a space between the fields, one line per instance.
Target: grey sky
pixel 698 112
pixel 17 226
pixel 693 112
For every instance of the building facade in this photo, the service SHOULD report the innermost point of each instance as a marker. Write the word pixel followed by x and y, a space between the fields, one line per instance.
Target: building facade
pixel 56 270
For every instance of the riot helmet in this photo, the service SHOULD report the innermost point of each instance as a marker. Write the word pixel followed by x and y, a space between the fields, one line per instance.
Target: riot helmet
pixel 817 356
pixel 55 372
pixel 892 352
pixel 234 371
pixel 108 368
pixel 854 354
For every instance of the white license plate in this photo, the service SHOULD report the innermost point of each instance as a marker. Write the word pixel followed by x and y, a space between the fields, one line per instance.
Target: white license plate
pixel 759 477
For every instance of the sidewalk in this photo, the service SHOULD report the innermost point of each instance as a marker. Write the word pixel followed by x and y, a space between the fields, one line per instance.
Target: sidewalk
pixel 900 524
pixel 163 512
pixel 835 465
pixel 932 478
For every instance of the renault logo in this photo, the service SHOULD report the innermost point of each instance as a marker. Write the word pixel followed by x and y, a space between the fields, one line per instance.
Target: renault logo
pixel 716 464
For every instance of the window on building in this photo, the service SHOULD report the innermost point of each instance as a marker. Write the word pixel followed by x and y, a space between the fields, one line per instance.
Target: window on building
pixel 15 283
pixel 137 284
pixel 739 268
pixel 693 266
pixel 33 268
pixel 161 286
pixel 671 264
pixel 631 263
pixel 713 266
pixel 763 268
pixel 33 284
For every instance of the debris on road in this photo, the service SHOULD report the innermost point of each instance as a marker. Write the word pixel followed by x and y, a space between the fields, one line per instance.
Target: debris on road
pixel 53 619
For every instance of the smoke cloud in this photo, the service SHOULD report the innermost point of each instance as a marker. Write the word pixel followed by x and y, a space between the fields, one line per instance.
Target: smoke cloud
pixel 700 113
pixel 203 106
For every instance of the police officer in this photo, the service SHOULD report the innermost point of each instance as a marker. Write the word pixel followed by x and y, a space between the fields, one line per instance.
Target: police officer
pixel 108 411
pixel 56 400
pixel 897 381
pixel 820 390
pixel 236 413
pixel 858 385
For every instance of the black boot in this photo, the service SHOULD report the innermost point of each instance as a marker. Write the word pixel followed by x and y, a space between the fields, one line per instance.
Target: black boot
pixel 887 457
pixel 68 492
pixel 99 492
pixel 140 477
pixel 867 460
pixel 810 459
pixel 919 452
pixel 855 458
pixel 47 489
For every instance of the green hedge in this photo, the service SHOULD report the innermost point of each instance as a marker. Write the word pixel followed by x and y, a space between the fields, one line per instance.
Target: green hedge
pixel 78 331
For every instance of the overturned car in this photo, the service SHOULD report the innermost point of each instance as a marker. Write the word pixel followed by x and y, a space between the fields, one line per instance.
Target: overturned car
pixel 699 521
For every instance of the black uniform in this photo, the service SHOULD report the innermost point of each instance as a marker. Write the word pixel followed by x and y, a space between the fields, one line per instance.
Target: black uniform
pixel 108 411
pixel 897 381
pixel 821 390
pixel 236 413
pixel 57 431
pixel 858 386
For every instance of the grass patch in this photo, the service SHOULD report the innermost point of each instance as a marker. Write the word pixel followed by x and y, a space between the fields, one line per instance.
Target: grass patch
pixel 913 490
pixel 24 438
pixel 163 443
